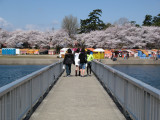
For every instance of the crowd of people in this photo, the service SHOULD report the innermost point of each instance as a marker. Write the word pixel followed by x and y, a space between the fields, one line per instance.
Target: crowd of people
pixel 81 59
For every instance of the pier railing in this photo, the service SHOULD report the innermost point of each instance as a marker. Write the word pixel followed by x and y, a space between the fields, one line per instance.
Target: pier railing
pixel 139 100
pixel 18 98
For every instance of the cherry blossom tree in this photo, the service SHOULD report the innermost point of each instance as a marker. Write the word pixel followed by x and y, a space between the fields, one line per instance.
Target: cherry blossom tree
pixel 118 36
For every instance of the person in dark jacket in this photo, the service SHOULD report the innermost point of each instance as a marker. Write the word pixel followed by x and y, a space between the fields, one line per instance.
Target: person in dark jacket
pixel 83 61
pixel 68 60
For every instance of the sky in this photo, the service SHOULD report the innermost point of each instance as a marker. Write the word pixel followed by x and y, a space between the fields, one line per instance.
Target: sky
pixel 47 14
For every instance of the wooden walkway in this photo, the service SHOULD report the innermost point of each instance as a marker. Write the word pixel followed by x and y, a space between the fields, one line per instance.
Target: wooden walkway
pixel 77 98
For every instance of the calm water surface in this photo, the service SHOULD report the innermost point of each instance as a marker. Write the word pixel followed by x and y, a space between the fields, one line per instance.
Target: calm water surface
pixel 149 74
pixel 9 73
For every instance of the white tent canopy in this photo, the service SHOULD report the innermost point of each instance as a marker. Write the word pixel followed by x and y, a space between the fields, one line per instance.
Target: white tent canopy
pixel 63 51
pixel 98 50
pixel 130 51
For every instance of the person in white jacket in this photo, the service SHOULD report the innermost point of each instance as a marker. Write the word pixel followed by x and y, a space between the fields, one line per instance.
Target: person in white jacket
pixel 76 59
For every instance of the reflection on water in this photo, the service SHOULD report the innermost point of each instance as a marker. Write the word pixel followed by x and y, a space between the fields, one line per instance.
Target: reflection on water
pixel 149 74
pixel 9 73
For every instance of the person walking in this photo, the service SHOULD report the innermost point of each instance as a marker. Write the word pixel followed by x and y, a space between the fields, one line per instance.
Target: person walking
pixel 124 55
pixel 83 61
pixel 89 62
pixel 77 62
pixel 127 55
pixel 68 60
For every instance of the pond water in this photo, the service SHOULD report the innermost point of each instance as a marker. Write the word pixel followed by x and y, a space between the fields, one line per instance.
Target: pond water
pixel 10 73
pixel 149 74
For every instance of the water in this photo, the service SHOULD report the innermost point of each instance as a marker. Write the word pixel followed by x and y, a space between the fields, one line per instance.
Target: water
pixel 10 73
pixel 149 74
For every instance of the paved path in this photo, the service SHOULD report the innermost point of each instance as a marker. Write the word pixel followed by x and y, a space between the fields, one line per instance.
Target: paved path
pixel 77 98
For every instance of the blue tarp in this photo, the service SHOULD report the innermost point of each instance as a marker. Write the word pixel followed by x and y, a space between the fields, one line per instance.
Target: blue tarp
pixel 143 55
pixel 139 53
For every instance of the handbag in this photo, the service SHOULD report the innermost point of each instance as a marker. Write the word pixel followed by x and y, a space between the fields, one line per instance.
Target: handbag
pixel 63 67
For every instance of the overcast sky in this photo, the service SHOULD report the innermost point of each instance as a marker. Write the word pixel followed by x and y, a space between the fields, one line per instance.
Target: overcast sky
pixel 45 14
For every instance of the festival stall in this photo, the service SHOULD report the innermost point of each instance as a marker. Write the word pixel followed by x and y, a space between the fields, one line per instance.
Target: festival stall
pixel 63 52
pixel 36 52
pixel 52 52
pixel 17 51
pixel 108 54
pixel 30 51
pixel 23 51
pixel 90 49
pixel 98 53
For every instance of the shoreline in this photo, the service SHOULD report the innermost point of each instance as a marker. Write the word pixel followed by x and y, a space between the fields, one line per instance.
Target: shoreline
pixel 29 60
pixel 49 59
pixel 131 61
